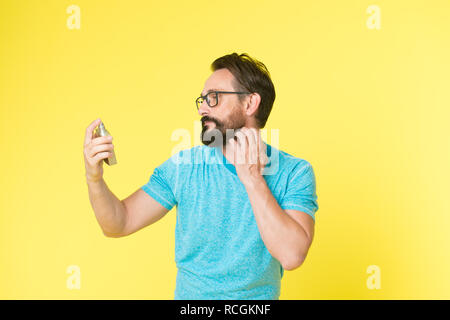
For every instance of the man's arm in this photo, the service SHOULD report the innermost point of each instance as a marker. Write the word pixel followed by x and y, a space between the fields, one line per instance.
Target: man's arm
pixel 116 218
pixel 109 210
pixel 286 234
pixel 121 218
pixel 141 211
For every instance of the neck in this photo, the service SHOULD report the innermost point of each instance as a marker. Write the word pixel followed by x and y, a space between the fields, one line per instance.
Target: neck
pixel 230 155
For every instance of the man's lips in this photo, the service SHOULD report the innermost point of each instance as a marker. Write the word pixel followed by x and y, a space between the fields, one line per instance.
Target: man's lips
pixel 208 123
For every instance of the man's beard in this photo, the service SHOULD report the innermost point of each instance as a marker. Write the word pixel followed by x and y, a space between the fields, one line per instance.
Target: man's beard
pixel 222 132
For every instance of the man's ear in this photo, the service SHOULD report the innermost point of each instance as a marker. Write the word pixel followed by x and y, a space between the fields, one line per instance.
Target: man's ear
pixel 252 104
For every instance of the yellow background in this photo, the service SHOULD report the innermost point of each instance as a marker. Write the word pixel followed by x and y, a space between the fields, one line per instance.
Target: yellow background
pixel 369 109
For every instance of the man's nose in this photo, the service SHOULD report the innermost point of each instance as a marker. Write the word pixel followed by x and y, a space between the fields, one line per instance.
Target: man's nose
pixel 203 109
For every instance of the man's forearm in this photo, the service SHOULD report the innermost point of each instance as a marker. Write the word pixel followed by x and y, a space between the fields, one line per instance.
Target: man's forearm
pixel 284 238
pixel 109 210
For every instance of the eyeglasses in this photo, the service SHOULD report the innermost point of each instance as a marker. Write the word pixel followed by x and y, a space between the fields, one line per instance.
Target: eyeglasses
pixel 212 98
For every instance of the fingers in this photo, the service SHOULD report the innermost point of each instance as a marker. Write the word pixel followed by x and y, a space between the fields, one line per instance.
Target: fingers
pixel 92 149
pixel 100 148
pixel 252 146
pixel 262 151
pixel 248 146
pixel 90 131
pixel 100 140
pixel 101 155
pixel 98 145
pixel 263 158
pixel 240 147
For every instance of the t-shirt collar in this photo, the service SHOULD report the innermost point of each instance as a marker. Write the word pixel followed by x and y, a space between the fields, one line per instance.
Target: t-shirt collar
pixel 230 166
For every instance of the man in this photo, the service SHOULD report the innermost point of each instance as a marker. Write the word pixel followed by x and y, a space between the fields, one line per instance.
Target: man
pixel 245 210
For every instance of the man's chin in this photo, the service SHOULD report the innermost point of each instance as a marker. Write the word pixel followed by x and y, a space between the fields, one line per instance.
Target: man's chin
pixel 212 144
pixel 212 137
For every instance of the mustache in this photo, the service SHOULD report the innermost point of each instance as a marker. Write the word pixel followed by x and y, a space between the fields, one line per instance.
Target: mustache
pixel 206 118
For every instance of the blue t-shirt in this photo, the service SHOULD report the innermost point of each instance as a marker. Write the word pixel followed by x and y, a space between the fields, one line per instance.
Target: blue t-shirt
pixel 219 251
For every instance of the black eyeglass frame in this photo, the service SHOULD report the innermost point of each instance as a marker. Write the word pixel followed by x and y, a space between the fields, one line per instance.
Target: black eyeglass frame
pixel 205 97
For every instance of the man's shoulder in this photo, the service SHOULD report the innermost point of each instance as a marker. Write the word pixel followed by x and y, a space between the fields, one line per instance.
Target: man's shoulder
pixel 194 155
pixel 288 162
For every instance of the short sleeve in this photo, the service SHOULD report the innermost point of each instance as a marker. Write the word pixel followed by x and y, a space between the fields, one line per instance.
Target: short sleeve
pixel 301 191
pixel 160 186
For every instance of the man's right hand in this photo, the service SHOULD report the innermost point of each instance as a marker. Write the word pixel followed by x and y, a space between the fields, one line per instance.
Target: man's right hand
pixel 95 150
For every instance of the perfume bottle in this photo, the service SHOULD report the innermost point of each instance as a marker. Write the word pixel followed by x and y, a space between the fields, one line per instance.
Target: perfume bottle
pixel 101 131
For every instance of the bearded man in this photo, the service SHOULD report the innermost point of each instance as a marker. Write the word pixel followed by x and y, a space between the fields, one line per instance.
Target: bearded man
pixel 245 209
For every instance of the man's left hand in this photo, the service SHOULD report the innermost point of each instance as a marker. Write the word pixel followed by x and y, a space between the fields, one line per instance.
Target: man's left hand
pixel 250 155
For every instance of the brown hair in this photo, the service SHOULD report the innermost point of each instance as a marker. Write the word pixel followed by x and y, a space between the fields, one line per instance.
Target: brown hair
pixel 250 75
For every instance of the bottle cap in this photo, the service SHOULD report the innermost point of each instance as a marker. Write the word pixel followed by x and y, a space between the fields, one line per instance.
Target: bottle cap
pixel 102 130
